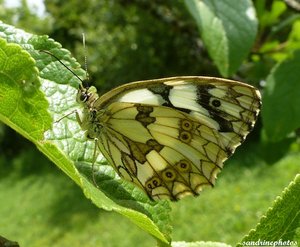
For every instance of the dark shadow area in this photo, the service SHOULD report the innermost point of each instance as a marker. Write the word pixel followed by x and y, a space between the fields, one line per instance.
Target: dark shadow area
pixel 20 156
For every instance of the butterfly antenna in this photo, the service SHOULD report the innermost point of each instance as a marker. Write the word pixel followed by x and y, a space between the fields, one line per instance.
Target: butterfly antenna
pixel 49 53
pixel 85 57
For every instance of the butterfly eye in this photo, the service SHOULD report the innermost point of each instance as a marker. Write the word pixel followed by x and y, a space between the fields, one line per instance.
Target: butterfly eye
pixel 83 97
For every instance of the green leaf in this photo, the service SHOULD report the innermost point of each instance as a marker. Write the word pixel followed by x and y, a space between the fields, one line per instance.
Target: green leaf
pixel 199 244
pixel 270 15
pixel 228 30
pixel 274 151
pixel 22 105
pixel 282 220
pixel 280 110
pixel 29 104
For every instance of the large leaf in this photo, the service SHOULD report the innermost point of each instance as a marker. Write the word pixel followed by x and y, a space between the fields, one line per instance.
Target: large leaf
pixel 29 101
pixel 228 29
pixel 280 111
pixel 282 221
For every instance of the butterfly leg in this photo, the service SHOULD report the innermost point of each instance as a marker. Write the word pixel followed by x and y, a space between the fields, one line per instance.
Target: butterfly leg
pixel 78 117
pixel 81 123
pixel 70 113
pixel 94 161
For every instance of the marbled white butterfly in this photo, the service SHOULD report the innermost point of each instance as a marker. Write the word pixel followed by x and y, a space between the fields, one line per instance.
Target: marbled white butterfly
pixel 170 136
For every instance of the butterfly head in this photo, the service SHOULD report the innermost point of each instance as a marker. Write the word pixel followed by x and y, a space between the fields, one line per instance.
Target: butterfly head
pixel 87 95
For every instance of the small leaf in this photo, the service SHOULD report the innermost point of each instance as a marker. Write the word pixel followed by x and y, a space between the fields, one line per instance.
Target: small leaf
pixel 228 30
pixel 282 220
pixel 280 111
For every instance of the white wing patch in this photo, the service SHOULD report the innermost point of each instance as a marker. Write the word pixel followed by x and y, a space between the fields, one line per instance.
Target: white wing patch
pixel 141 96
pixel 185 96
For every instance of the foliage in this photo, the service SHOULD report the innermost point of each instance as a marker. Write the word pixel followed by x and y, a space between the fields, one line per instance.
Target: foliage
pixel 278 126
pixel 24 17
pixel 282 220
pixel 146 36
pixel 133 40
pixel 234 30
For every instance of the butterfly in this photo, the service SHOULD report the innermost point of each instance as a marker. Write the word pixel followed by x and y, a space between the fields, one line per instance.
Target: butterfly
pixel 169 136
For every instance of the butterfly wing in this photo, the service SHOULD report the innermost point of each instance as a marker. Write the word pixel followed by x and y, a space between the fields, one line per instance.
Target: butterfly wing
pixel 171 136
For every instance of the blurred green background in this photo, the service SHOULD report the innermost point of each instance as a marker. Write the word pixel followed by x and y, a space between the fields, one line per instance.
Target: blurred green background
pixel 138 40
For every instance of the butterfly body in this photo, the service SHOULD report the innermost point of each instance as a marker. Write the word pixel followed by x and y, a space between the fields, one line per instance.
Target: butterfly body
pixel 170 136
